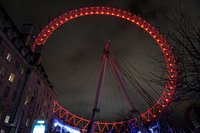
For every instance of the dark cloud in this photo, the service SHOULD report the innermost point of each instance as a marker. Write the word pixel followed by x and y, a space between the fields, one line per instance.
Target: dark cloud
pixel 72 55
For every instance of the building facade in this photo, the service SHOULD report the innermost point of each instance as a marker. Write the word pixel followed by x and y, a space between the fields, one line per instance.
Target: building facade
pixel 25 91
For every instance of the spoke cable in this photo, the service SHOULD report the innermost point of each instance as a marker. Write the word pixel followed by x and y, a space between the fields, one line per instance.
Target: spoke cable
pixel 131 78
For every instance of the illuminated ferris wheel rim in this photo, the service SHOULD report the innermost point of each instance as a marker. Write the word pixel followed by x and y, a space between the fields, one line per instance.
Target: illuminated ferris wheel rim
pixel 170 86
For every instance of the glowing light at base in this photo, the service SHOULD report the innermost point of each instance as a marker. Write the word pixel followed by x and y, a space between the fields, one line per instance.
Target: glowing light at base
pixel 39 126
pixel 39 129
pixel 68 128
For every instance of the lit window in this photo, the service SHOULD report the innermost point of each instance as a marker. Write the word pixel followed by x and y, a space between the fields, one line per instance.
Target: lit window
pixel 42 114
pixel 11 77
pixel 7 118
pixel 27 122
pixel 26 102
pixel 9 57
pixel 45 103
pixel 3 70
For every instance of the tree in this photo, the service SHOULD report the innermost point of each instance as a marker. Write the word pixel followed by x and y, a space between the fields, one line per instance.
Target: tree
pixel 183 33
pixel 185 39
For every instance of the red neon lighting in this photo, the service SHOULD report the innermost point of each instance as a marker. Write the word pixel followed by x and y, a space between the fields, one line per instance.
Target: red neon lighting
pixel 161 103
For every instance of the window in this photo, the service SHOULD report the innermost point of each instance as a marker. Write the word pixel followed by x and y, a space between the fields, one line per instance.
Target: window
pixel 6 92
pixel 34 92
pixel 45 103
pixel 32 98
pixel 47 115
pixel 1 50
pixel 3 70
pixel 37 107
pixel 27 122
pixel 26 102
pixel 14 95
pixel 11 77
pixel 2 131
pixel 17 65
pixel 18 83
pixel 7 118
pixel 9 57
pixel 39 110
pixel 22 70
pixel 42 114
pixel 38 83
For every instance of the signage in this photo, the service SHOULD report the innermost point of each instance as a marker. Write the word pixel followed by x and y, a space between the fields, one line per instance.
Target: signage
pixel 39 126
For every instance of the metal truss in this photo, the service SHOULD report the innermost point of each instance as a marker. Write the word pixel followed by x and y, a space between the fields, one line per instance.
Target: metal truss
pixel 170 86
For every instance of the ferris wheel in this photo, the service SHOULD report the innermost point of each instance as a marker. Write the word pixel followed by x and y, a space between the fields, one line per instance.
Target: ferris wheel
pixel 119 72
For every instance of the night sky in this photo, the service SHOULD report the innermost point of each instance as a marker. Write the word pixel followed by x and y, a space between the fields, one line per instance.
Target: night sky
pixel 72 55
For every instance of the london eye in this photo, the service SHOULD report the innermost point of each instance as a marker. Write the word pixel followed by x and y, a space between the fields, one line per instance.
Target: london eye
pixel 129 83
